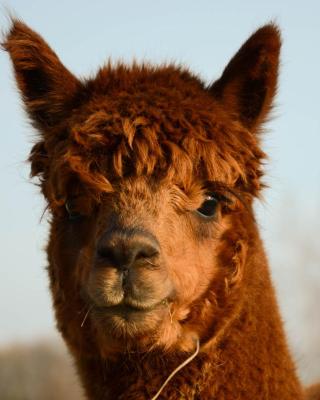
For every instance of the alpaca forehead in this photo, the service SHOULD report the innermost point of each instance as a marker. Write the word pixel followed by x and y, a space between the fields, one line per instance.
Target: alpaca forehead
pixel 131 121
pixel 147 146
pixel 122 137
pixel 165 108
pixel 147 130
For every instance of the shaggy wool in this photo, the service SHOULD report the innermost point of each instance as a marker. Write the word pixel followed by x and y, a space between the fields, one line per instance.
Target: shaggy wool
pixel 149 176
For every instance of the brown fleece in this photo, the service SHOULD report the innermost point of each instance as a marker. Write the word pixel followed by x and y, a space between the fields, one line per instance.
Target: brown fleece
pixel 137 149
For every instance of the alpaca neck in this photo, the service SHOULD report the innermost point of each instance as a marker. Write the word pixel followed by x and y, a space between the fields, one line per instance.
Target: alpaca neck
pixel 251 358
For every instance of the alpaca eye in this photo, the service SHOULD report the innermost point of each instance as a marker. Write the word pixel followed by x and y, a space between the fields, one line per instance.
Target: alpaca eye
pixel 209 206
pixel 73 214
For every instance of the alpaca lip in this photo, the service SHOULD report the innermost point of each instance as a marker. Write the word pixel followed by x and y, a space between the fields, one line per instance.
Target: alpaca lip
pixel 127 307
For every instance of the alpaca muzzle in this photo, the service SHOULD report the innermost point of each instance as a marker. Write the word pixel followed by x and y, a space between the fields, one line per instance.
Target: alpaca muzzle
pixel 129 276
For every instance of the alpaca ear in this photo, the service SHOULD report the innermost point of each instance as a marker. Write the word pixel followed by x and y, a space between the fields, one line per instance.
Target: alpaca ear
pixel 249 82
pixel 47 87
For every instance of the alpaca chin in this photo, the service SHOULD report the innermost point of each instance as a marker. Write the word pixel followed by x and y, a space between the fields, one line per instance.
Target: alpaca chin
pixel 143 331
pixel 130 328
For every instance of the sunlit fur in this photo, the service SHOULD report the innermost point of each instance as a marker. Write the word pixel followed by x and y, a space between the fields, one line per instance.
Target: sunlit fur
pixel 135 151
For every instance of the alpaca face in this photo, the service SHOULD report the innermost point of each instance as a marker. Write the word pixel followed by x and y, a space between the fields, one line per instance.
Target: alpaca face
pixel 143 168
pixel 140 257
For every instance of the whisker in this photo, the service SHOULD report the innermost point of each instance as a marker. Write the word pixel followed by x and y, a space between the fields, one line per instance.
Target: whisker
pixel 86 316
pixel 151 263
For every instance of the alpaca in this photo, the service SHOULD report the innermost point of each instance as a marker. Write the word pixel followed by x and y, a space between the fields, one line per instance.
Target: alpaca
pixel 155 262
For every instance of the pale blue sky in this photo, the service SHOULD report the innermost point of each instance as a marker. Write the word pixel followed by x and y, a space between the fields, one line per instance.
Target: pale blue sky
pixel 202 34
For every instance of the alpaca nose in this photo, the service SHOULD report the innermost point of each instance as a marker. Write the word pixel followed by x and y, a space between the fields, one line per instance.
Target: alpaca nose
pixel 124 251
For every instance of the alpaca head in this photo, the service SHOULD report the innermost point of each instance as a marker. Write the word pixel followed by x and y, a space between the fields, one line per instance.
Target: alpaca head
pixel 149 177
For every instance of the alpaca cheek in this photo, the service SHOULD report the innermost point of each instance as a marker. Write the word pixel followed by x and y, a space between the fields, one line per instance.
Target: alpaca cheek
pixel 193 272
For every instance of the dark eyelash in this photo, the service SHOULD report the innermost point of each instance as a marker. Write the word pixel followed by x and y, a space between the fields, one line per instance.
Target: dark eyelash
pixel 225 193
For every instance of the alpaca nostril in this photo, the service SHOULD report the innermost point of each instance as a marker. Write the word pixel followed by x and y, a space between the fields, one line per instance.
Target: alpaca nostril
pixel 144 252
pixel 105 253
pixel 111 255
pixel 123 253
